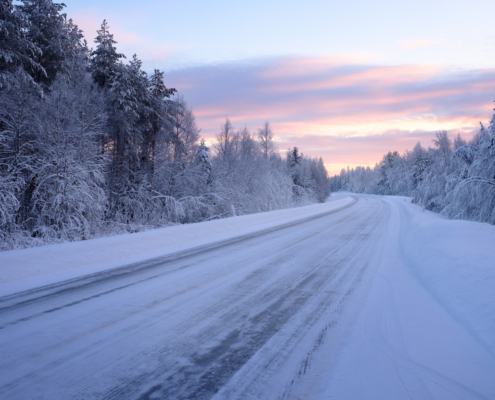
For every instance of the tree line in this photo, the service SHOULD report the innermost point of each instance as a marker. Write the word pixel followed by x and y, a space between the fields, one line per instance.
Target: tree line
pixel 455 178
pixel 92 145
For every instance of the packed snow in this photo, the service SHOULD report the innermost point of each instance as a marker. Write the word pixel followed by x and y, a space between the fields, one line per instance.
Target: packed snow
pixel 426 330
pixel 29 268
pixel 361 297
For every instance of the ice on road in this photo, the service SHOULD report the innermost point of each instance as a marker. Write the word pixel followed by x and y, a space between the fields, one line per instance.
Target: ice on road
pixel 338 304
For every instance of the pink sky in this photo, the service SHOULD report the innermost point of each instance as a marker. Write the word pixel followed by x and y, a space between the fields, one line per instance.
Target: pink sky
pixel 345 111
pixel 362 80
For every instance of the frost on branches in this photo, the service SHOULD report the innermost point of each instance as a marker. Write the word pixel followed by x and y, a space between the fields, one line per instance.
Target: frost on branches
pixel 455 178
pixel 91 145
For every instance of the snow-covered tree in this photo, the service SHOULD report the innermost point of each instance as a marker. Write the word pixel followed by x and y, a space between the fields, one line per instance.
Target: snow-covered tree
pixel 17 50
pixel 204 166
pixel 444 145
pixel 420 165
pixel 104 58
pixel 265 136
pixel 90 145
pixel 455 178
pixel 472 194
pixel 19 151
pixel 69 199
pixel 227 143
pixel 47 32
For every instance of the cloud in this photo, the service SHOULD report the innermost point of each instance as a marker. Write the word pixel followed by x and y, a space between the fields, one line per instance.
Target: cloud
pixel 341 109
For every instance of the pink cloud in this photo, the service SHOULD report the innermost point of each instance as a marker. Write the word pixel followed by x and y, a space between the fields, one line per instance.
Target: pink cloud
pixel 375 77
pixel 346 111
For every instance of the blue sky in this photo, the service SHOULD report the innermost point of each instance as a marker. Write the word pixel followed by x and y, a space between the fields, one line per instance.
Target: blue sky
pixel 428 63
pixel 455 33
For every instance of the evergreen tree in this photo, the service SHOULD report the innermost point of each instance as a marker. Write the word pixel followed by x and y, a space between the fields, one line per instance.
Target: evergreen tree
pixel 421 164
pixel 16 49
pixel 294 160
pixel 104 58
pixel 128 94
pixel 90 145
pixel 47 32
pixel 203 162
pixel 159 109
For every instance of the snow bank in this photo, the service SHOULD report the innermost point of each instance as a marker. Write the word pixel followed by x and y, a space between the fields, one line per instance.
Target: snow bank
pixel 29 268
pixel 455 260
pixel 338 196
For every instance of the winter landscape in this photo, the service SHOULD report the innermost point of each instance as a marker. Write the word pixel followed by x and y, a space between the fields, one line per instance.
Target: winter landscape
pixel 246 212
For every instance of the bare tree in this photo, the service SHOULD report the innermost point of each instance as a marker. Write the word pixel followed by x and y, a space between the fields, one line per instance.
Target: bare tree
pixel 265 136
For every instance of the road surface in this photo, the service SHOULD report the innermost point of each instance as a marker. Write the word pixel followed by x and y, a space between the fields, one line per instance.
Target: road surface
pixel 259 317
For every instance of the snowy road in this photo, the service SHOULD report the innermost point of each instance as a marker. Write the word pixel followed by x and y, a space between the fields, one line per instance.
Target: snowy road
pixel 266 316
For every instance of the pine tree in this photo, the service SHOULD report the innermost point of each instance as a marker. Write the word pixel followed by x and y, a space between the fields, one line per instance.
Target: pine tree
pixel 203 162
pixel 47 32
pixel 294 160
pixel 16 49
pixel 105 58
pixel 160 121
pixel 420 165
pixel 77 47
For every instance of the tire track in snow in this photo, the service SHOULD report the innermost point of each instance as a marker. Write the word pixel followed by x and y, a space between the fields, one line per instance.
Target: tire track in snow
pixel 58 345
pixel 222 321
pixel 55 289
pixel 159 390
pixel 313 326
pixel 82 351
pixel 271 297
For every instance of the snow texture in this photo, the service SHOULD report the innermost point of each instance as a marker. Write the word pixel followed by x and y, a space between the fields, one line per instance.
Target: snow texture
pixel 28 268
pixel 365 297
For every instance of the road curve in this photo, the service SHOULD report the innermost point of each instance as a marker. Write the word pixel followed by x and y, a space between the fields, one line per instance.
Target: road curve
pixel 239 320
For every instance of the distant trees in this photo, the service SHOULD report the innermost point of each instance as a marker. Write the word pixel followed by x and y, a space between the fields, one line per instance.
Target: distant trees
pixel 309 176
pixel 455 178
pixel 90 145
pixel 250 177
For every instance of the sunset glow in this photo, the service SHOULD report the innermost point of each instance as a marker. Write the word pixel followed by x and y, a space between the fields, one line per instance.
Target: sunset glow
pixel 348 91
pixel 349 114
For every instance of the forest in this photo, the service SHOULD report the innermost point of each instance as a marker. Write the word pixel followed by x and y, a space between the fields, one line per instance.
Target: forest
pixel 93 145
pixel 455 178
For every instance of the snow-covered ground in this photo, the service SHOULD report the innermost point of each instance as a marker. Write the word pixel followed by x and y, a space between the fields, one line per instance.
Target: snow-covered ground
pixel 427 328
pixel 30 268
pixel 366 299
